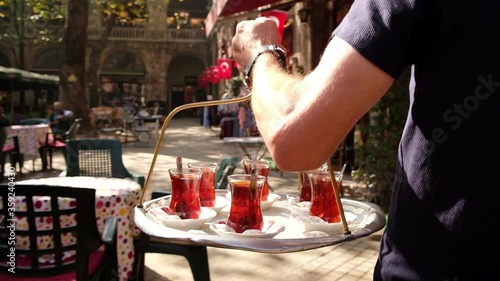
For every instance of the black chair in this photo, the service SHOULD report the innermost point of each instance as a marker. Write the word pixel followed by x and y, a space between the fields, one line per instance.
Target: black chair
pixel 58 142
pixel 81 260
pixel 197 256
pixel 9 147
pixel 97 158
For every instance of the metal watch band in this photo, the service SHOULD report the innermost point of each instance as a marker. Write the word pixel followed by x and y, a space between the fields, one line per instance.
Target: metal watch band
pixel 274 49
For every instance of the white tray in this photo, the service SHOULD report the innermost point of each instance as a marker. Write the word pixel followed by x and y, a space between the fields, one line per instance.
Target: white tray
pixel 366 218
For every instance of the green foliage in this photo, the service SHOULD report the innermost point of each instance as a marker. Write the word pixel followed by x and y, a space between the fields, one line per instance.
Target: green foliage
pixel 378 155
pixel 24 20
pixel 235 85
pixel 33 19
pixel 124 12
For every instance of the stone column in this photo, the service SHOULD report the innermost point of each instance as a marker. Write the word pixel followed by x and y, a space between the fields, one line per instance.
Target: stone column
pixel 156 76
pixel 95 20
pixel 157 19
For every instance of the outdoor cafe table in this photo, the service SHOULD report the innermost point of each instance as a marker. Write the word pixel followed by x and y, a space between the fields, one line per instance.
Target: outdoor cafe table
pixel 369 218
pixel 248 142
pixel 31 138
pixel 114 197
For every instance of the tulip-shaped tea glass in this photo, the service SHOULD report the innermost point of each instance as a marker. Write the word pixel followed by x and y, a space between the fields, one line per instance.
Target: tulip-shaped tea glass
pixel 323 201
pixel 185 199
pixel 305 187
pixel 245 212
pixel 262 167
pixel 207 188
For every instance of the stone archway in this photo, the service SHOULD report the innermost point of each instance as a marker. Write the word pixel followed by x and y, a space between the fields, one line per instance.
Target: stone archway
pixel 122 78
pixel 49 61
pixel 4 60
pixel 182 73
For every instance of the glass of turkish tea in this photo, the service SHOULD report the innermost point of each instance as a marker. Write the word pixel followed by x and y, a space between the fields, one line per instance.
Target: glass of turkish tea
pixel 262 167
pixel 207 188
pixel 245 212
pixel 185 199
pixel 323 201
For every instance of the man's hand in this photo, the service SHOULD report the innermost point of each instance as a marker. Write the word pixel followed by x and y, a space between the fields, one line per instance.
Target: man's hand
pixel 251 35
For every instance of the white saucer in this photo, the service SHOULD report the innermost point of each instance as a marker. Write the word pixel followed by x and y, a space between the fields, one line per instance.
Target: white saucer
pixel 273 197
pixel 264 205
pixel 157 215
pixel 220 203
pixel 270 228
pixel 321 226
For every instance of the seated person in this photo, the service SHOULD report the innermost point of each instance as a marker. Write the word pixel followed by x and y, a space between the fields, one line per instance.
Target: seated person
pixel 142 112
pixel 60 120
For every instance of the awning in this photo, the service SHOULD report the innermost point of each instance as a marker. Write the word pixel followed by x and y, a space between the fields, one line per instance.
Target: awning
pixel 19 75
pixel 226 8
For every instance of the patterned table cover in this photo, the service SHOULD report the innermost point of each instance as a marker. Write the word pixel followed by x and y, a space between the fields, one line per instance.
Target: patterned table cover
pixel 114 197
pixel 30 137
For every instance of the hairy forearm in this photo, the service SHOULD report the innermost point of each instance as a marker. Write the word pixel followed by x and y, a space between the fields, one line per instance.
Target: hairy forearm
pixel 285 116
pixel 303 120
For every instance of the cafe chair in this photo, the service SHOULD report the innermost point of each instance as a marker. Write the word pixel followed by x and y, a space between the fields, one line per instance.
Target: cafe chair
pixel 11 149
pixel 226 168
pixel 76 250
pixel 58 142
pixel 196 256
pixel 97 158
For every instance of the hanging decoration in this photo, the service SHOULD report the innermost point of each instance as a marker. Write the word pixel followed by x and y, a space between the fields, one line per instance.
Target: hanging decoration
pixel 214 71
pixel 279 17
pixel 225 68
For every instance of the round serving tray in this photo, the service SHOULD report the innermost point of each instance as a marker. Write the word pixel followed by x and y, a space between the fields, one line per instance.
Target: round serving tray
pixel 369 218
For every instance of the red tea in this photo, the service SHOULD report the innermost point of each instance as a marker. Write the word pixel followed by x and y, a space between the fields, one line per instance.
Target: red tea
pixel 324 203
pixel 185 199
pixel 245 212
pixel 207 188
pixel 262 170
pixel 306 189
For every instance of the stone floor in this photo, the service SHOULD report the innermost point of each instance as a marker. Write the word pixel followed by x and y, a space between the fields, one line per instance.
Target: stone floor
pixel 185 137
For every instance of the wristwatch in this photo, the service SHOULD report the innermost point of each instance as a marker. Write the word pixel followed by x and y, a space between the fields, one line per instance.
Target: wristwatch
pixel 276 50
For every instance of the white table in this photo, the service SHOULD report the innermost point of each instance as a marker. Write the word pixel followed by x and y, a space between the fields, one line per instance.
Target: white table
pixel 248 142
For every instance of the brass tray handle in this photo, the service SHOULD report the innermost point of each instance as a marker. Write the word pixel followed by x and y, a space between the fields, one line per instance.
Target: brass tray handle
pixel 246 98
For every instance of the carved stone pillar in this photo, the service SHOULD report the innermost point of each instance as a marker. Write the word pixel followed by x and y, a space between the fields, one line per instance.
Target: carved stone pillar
pixel 95 20
pixel 157 18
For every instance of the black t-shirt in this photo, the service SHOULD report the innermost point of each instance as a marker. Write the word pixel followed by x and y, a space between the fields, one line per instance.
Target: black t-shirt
pixel 445 209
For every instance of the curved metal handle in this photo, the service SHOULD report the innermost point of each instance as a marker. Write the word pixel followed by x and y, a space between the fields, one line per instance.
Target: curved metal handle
pixel 165 125
pixel 218 102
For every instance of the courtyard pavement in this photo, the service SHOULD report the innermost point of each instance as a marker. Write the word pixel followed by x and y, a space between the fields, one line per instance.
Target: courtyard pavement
pixel 185 137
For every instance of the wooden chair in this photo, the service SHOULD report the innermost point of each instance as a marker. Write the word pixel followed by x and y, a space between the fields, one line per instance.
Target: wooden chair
pixel 78 261
pixel 97 158
pixel 58 142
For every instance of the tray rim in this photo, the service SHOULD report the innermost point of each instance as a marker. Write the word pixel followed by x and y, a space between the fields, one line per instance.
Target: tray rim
pixel 262 245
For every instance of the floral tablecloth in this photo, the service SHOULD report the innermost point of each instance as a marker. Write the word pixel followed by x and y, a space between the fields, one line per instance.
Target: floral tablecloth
pixel 30 137
pixel 114 197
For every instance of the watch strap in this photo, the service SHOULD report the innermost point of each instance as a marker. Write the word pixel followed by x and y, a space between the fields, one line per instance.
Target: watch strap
pixel 274 49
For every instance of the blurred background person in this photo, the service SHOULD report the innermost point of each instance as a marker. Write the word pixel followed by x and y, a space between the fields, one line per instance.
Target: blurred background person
pixel 61 119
